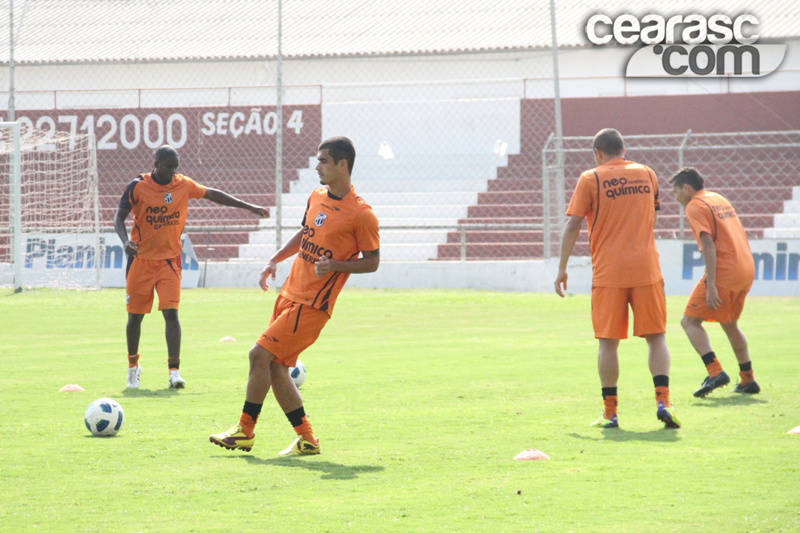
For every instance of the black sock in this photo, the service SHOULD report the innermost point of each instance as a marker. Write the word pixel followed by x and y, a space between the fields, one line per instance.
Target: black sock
pixel 609 391
pixel 746 367
pixel 296 416
pixel 661 381
pixel 708 358
pixel 252 409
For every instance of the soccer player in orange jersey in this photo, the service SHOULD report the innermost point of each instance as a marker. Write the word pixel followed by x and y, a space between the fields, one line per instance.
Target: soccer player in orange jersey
pixel 719 296
pixel 337 227
pixel 159 202
pixel 619 199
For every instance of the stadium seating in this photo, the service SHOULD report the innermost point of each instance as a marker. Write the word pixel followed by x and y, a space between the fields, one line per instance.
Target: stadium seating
pixel 435 187
pixel 424 192
pixel 787 223
pixel 761 191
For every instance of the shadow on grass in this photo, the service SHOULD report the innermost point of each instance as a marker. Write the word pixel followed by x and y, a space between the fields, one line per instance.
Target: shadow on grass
pixel 157 393
pixel 620 435
pixel 725 401
pixel 330 470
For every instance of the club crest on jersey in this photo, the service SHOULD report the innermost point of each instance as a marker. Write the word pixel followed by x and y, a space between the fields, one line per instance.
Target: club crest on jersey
pixel 320 218
pixel 167 197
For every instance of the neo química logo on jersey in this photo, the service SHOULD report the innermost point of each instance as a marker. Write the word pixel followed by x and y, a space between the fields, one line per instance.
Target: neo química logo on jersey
pixel 688 46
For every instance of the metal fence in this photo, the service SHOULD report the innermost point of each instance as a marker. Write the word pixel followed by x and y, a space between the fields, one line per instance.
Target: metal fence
pixel 457 150
pixel 759 172
pixel 434 158
pixel 445 142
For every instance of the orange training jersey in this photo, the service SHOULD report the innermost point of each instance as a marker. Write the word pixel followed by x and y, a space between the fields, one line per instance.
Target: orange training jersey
pixel 711 213
pixel 619 201
pixel 159 213
pixel 339 228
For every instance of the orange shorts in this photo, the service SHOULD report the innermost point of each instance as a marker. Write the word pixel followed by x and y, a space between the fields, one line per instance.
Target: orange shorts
pixel 730 310
pixel 292 328
pixel 610 310
pixel 142 276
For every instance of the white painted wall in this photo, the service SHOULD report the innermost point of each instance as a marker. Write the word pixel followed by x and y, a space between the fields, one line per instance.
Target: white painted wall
pixel 774 269
pixel 585 72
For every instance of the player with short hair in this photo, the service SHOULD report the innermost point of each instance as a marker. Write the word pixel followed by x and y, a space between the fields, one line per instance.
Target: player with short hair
pixel 619 199
pixel 337 227
pixel 159 201
pixel 719 296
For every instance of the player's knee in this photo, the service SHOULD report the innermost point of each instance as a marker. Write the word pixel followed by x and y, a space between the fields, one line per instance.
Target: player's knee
pixel 170 315
pixel 259 355
pixel 730 327
pixel 657 343
pixel 688 322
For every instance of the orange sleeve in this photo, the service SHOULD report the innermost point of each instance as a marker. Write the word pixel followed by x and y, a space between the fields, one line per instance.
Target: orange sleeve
pixel 700 219
pixel 367 232
pixel 195 189
pixel 581 203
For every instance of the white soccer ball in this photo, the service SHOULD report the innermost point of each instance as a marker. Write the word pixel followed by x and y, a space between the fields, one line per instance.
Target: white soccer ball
pixel 104 417
pixel 298 373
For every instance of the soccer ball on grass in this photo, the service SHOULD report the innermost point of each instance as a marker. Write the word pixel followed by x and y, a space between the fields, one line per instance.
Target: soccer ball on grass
pixel 103 417
pixel 298 373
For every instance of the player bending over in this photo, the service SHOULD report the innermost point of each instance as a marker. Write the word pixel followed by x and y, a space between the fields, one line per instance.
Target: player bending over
pixel 337 227
pixel 719 296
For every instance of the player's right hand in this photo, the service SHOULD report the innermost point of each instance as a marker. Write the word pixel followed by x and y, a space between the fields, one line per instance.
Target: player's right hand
pixel 713 301
pixel 131 248
pixel 561 282
pixel 268 271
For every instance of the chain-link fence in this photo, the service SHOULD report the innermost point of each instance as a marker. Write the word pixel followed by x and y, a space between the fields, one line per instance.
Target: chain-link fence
pixel 453 141
pixel 445 141
pixel 756 171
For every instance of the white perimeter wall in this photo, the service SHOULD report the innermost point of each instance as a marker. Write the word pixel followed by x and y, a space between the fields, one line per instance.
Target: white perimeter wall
pixel 585 72
pixel 681 264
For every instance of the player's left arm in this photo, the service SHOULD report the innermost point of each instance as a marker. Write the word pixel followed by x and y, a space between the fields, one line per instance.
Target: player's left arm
pixel 222 198
pixel 710 259
pixel 368 262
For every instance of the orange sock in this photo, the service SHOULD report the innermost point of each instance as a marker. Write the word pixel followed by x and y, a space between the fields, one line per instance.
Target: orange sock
pixel 714 368
pixel 305 431
pixel 609 407
pixel 248 425
pixel 662 395
pixel 746 377
pixel 133 360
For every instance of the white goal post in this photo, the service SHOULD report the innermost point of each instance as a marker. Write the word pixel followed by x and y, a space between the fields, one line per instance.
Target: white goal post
pixel 49 209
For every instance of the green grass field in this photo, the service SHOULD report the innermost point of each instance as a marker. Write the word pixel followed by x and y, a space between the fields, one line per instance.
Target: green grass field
pixel 421 400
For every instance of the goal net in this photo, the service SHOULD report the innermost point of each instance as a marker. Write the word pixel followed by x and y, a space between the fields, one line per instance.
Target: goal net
pixel 49 210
